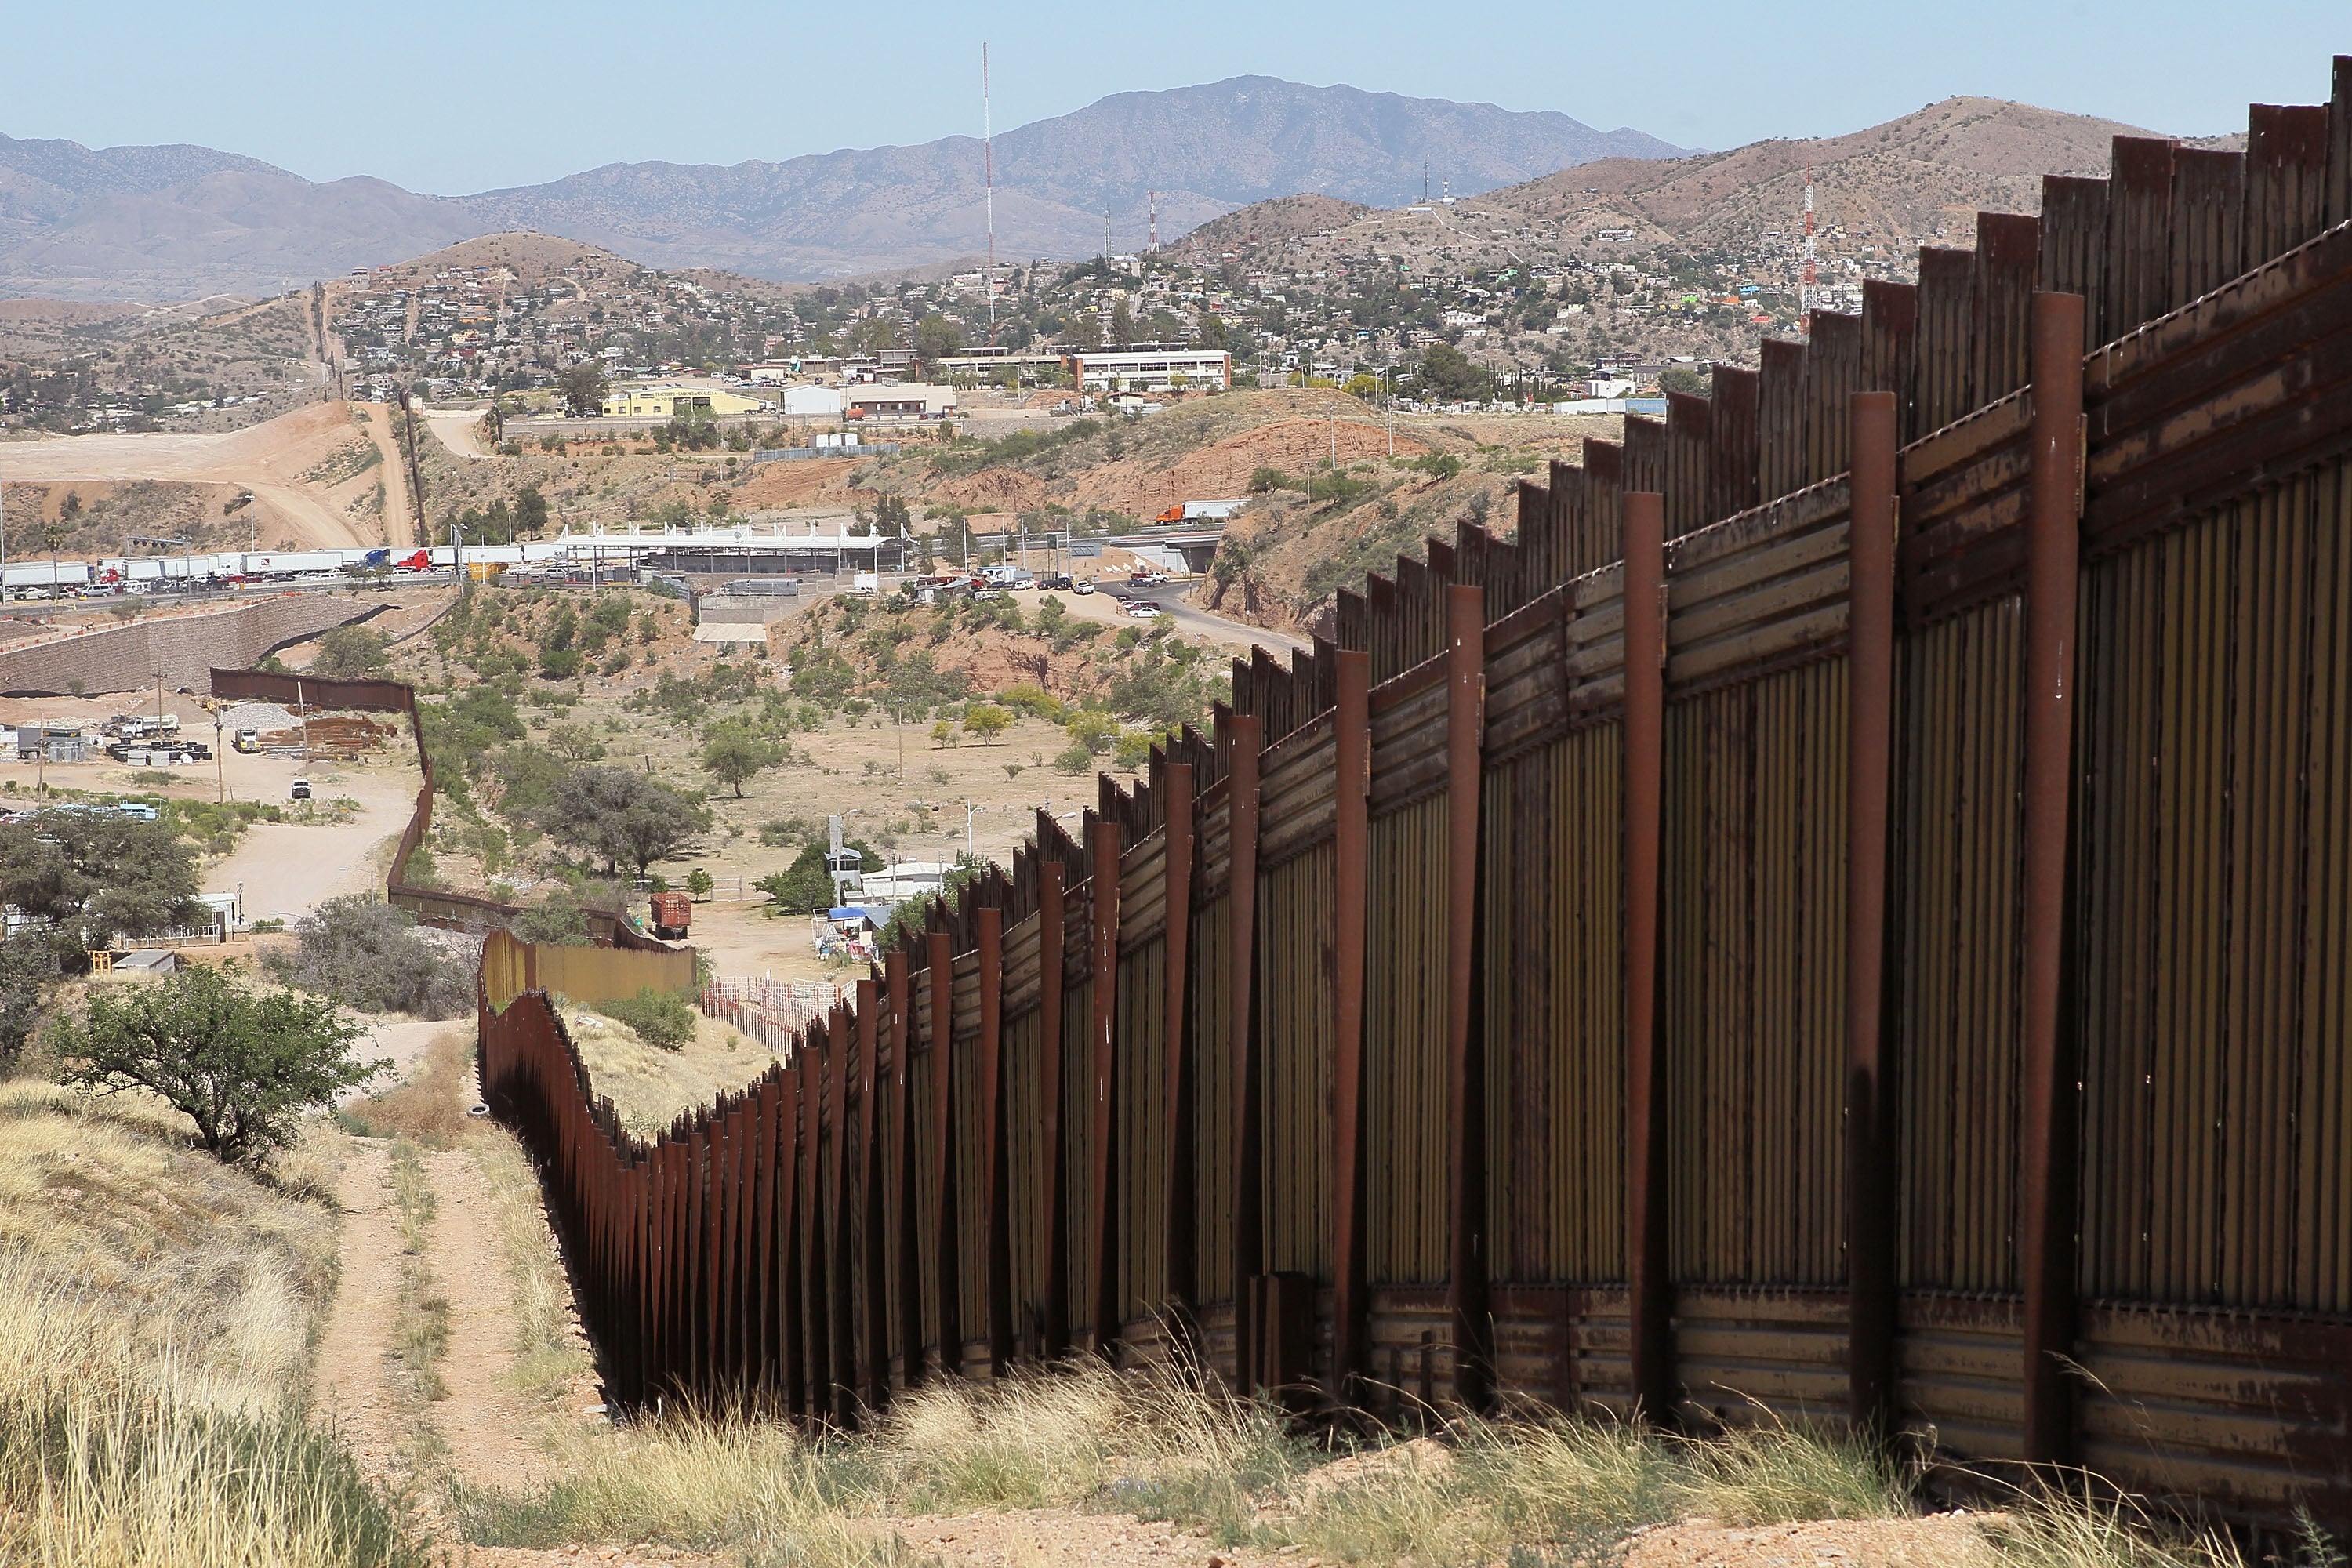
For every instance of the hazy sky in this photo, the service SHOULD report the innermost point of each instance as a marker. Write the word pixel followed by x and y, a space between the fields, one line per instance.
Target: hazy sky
pixel 453 98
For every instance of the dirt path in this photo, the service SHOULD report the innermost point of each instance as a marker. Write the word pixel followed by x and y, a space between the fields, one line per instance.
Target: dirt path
pixel 489 1430
pixel 354 1379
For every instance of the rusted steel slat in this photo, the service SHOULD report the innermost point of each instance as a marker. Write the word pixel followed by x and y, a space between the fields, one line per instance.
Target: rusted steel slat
pixel 939 1223
pixel 2008 255
pixel 1943 390
pixel 1780 419
pixel 872 1261
pixel 1241 960
pixel 1103 1288
pixel 1832 372
pixel 2139 236
pixel 1870 1108
pixel 1732 450
pixel 1177 1229
pixel 1467 1253
pixel 1645 1091
pixel 2046 1145
pixel 1053 930
pixel 1353 730
pixel 995 1197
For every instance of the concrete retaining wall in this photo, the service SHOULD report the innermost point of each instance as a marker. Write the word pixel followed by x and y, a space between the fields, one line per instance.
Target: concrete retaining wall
pixel 186 648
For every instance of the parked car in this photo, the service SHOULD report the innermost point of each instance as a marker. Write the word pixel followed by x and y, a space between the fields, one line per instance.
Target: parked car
pixel 1083 585
pixel 1145 610
pixel 298 790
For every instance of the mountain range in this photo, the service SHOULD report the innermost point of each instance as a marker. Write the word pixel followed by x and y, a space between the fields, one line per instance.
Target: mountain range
pixel 175 221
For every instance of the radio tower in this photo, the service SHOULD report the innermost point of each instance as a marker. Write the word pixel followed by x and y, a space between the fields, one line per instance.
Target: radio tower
pixel 988 176
pixel 1154 196
pixel 1809 286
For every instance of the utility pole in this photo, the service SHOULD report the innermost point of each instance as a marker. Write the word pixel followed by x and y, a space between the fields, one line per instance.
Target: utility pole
pixel 1331 413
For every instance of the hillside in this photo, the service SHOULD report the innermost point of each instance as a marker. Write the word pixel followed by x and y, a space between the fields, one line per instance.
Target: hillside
pixel 1266 222
pixel 168 222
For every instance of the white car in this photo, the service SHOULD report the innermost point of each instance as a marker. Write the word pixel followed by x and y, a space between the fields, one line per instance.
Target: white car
pixel 1144 610
pixel 1083 585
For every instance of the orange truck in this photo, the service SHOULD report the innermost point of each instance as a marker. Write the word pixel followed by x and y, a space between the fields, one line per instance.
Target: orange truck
pixel 671 912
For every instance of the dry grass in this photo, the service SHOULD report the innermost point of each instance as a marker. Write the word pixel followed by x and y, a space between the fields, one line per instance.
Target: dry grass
pixel 427 1106
pixel 549 1352
pixel 156 1315
pixel 1475 1492
pixel 420 1331
pixel 649 1086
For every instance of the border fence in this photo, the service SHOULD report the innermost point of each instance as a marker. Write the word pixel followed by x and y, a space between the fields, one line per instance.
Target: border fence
pixel 1847 914
pixel 431 906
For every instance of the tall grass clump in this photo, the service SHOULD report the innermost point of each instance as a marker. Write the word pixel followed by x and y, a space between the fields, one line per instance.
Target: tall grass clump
pixel 699 1480
pixel 154 1322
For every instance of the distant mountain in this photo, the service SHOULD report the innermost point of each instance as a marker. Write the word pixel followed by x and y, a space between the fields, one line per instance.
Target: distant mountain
pixel 165 222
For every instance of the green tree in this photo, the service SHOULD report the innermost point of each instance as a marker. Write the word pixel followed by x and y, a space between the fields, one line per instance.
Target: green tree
pixel 1265 481
pixel 699 883
pixel 242 1064
pixel 733 755
pixel 530 512
pixel 622 818
pixel 1122 325
pixel 350 652
pixel 987 720
pixel 96 876
pixel 556 922
pixel 575 743
pixel 936 338
pixel 583 387
pixel 1448 375
pixel 29 967
pixel 1093 728
pixel 1213 334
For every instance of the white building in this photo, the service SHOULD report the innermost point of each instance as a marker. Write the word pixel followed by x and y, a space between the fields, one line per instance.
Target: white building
pixel 1150 368
pixel 814 401
pixel 900 400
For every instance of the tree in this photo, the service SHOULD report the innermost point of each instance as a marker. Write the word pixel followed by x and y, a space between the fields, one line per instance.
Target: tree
pixel 556 922
pixel 1448 375
pixel 987 720
pixel 530 511
pixel 1263 481
pixel 243 1065
pixel 943 734
pixel 350 652
pixel 369 955
pixel 733 753
pixel 1093 728
pixel 698 882
pixel 1212 333
pixel 27 967
pixel 583 387
pixel 97 876
pixel 622 818
pixel 936 338
pixel 1122 325
pixel 575 743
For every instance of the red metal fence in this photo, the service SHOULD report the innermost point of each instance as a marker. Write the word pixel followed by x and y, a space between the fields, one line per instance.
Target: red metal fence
pixel 1876 952
pixel 431 906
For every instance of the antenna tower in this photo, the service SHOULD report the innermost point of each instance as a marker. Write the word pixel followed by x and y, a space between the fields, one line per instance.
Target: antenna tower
pixel 1809 285
pixel 1154 196
pixel 988 174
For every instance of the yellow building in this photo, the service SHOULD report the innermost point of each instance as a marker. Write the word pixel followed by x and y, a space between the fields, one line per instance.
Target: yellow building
pixel 676 402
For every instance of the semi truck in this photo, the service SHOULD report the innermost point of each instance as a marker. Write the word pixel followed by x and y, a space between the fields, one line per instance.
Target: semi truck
pixel 1202 512
pixel 672 912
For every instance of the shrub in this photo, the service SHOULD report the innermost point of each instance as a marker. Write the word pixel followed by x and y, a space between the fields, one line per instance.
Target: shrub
pixel 369 955
pixel 660 1018
pixel 1075 761
pixel 348 652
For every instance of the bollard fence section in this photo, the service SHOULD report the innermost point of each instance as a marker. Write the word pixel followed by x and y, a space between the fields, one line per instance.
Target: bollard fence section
pixel 1843 913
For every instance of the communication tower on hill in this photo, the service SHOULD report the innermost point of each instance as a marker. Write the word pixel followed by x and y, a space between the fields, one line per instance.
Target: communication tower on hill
pixel 988 174
pixel 1154 197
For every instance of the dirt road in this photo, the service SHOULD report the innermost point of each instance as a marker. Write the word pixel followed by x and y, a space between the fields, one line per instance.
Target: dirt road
pixel 455 429
pixel 286 869
pixel 271 459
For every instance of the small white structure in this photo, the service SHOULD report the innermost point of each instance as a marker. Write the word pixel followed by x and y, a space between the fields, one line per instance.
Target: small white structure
pixel 812 402
pixel 902 400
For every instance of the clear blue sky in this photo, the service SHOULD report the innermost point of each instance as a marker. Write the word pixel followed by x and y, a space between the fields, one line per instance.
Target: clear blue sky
pixel 453 98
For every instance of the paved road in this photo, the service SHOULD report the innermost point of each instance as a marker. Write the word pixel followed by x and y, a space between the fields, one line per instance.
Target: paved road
pixel 1176 599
